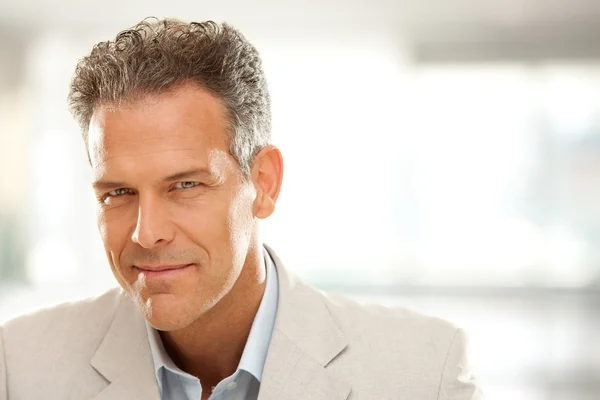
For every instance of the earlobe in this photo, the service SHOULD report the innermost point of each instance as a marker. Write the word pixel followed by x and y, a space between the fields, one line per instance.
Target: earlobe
pixel 266 209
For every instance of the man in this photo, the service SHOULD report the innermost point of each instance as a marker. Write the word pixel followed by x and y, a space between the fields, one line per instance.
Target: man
pixel 176 120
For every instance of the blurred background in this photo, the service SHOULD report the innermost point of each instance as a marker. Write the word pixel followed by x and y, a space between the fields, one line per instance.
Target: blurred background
pixel 443 156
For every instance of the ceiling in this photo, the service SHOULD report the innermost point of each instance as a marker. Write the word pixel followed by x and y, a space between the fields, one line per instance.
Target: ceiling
pixel 414 18
pixel 433 30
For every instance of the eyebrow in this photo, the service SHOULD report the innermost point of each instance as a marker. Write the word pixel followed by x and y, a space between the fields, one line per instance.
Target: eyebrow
pixel 203 172
pixel 194 172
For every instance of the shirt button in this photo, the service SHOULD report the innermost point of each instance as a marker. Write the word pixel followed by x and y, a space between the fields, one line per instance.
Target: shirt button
pixel 231 385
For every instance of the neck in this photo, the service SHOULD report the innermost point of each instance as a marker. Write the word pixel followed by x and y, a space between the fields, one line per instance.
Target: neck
pixel 211 347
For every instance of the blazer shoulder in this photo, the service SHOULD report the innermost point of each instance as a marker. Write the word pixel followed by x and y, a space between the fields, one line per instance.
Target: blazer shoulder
pixel 65 318
pixel 393 321
pixel 396 342
pixel 51 348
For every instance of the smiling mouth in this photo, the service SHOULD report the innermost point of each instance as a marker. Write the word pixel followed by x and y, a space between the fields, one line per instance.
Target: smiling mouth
pixel 161 271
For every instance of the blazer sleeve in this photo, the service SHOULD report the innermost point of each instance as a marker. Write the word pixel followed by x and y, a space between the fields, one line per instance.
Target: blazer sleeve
pixel 457 383
pixel 3 373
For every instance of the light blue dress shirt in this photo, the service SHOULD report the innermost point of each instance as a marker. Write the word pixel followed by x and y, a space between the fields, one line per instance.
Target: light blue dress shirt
pixel 175 384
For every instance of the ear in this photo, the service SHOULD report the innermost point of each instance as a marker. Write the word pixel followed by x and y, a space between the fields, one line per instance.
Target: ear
pixel 267 175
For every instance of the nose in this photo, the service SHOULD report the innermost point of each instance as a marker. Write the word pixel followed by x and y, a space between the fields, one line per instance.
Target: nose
pixel 153 228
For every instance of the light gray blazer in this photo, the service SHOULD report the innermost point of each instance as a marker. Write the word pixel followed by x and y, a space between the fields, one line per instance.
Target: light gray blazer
pixel 324 347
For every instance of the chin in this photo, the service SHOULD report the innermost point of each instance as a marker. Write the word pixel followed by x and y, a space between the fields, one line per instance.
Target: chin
pixel 165 325
pixel 167 322
pixel 167 312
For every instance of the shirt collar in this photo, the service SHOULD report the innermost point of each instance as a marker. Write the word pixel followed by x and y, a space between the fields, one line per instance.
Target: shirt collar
pixel 255 352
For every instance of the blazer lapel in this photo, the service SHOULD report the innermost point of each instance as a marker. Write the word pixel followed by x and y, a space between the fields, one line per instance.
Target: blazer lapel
pixel 124 357
pixel 305 340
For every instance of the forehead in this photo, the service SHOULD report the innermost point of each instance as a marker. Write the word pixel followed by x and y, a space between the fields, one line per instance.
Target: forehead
pixel 181 123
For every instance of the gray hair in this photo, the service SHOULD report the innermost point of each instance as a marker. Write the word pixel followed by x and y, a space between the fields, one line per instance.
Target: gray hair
pixel 157 55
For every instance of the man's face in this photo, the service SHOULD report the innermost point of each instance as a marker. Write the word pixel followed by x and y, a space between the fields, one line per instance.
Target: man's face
pixel 174 211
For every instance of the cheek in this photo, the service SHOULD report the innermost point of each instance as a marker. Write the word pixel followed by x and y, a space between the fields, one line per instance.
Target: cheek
pixel 109 232
pixel 200 220
pixel 240 220
pixel 103 227
pixel 213 220
pixel 114 229
pixel 239 214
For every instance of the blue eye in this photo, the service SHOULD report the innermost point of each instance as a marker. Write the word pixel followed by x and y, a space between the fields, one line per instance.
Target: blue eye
pixel 119 192
pixel 186 185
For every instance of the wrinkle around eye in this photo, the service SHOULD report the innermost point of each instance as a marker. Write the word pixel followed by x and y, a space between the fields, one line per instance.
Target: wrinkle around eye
pixel 113 196
pixel 179 185
pixel 113 193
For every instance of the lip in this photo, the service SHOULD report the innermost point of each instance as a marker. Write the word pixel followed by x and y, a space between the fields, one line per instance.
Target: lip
pixel 158 268
pixel 161 271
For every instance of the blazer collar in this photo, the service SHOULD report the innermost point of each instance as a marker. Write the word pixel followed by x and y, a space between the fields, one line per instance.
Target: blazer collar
pixel 124 357
pixel 305 340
